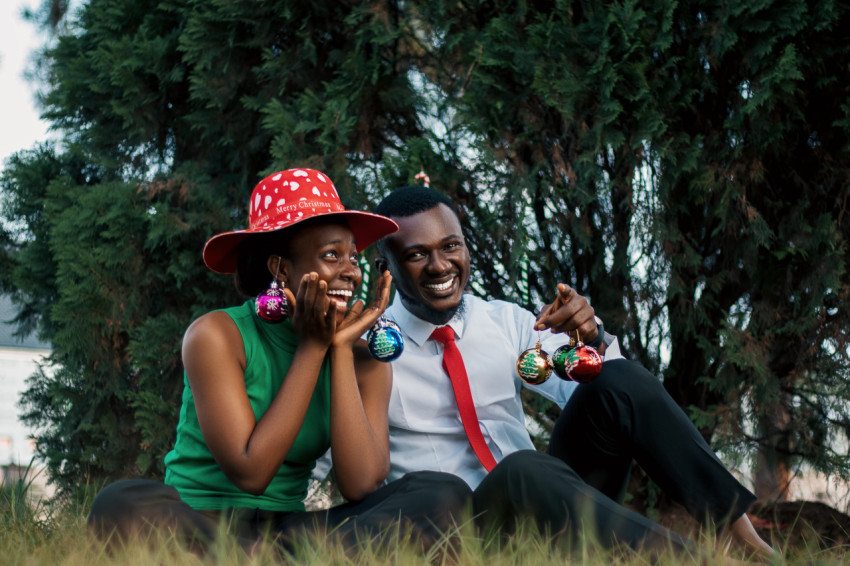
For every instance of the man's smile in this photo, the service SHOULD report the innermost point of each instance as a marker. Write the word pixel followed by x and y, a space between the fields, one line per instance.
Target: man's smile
pixel 430 257
pixel 438 288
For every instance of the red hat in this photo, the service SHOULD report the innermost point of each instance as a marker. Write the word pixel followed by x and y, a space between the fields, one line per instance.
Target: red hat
pixel 284 199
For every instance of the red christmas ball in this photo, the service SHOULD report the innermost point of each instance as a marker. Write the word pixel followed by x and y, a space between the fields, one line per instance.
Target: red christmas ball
pixel 588 365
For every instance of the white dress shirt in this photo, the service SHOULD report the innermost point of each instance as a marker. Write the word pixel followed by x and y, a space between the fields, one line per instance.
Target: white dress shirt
pixel 426 432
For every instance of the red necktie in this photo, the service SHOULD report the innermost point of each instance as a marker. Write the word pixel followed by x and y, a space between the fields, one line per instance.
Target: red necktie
pixel 453 364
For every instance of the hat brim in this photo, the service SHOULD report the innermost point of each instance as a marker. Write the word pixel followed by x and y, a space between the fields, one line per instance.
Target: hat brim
pixel 220 251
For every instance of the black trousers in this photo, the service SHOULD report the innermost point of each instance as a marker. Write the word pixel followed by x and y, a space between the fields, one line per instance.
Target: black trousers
pixel 624 415
pixel 426 503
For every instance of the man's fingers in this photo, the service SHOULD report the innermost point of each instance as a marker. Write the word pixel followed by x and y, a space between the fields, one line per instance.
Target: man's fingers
pixel 562 297
pixel 569 315
pixel 565 292
pixel 545 312
pixel 584 325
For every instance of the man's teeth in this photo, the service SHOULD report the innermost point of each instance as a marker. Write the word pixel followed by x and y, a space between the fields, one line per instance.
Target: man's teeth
pixel 440 286
pixel 341 294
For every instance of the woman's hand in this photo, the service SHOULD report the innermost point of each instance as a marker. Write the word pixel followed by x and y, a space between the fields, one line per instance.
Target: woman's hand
pixel 360 319
pixel 312 312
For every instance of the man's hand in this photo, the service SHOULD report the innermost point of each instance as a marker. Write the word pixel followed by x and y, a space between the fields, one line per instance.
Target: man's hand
pixel 567 313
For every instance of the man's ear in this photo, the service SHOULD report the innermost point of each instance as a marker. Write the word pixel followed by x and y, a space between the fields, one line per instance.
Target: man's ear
pixel 381 264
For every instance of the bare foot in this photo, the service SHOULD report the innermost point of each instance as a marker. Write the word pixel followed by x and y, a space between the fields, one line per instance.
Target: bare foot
pixel 747 539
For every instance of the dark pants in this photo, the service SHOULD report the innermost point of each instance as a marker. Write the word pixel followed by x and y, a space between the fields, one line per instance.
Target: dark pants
pixel 624 415
pixel 426 503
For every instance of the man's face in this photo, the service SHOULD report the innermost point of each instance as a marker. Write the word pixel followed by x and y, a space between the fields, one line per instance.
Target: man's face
pixel 429 262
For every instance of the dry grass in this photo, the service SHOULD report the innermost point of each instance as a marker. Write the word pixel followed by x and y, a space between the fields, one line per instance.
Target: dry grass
pixel 38 535
pixel 67 544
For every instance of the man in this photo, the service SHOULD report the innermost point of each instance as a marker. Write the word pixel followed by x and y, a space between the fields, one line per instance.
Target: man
pixel 624 414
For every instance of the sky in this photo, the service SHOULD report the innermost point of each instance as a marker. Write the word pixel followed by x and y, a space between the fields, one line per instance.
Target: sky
pixel 20 127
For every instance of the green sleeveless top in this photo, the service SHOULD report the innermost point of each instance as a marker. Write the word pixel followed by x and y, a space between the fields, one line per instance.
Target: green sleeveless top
pixel 191 468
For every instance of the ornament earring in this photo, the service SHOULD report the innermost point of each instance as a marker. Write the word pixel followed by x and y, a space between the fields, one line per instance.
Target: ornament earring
pixel 577 361
pixel 385 340
pixel 534 366
pixel 271 304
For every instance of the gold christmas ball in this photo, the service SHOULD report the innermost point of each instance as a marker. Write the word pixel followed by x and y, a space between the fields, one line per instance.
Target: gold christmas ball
pixel 534 366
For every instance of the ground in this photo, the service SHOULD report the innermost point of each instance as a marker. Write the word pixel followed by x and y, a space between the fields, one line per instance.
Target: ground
pixel 784 524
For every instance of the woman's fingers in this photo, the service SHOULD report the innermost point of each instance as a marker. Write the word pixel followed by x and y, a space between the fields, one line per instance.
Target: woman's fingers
pixel 314 313
pixel 360 319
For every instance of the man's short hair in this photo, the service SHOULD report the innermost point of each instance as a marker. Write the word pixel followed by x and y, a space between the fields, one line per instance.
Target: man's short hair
pixel 407 201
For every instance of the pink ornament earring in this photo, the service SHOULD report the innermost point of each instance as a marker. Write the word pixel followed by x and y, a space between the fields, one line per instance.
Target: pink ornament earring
pixel 272 305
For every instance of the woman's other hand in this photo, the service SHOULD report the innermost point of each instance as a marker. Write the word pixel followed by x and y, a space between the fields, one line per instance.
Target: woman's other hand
pixel 360 319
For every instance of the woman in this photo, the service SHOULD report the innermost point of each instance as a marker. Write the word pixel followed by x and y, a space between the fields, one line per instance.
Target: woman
pixel 266 395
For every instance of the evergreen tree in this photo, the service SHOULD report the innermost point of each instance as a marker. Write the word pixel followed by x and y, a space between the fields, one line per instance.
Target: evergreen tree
pixel 170 112
pixel 686 167
pixel 756 181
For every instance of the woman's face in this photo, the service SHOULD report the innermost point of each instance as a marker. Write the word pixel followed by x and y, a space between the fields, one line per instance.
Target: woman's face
pixel 329 250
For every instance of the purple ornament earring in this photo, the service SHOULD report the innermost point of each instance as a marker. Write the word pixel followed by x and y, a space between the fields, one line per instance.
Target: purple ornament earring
pixel 272 305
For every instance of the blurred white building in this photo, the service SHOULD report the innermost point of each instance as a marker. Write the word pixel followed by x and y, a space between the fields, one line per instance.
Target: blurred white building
pixel 18 360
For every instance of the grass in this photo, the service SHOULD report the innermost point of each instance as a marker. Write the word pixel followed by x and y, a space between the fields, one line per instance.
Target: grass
pixel 35 533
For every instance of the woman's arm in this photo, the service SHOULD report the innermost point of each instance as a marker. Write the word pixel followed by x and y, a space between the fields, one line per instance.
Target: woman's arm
pixel 249 451
pixel 360 395
pixel 360 444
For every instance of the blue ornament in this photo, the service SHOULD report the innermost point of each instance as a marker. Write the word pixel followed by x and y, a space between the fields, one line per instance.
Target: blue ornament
pixel 385 340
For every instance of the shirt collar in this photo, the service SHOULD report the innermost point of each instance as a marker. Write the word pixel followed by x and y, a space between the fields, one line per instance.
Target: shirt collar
pixel 420 330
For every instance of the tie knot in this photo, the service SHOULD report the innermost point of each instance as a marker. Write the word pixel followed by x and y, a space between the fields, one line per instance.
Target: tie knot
pixel 443 334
